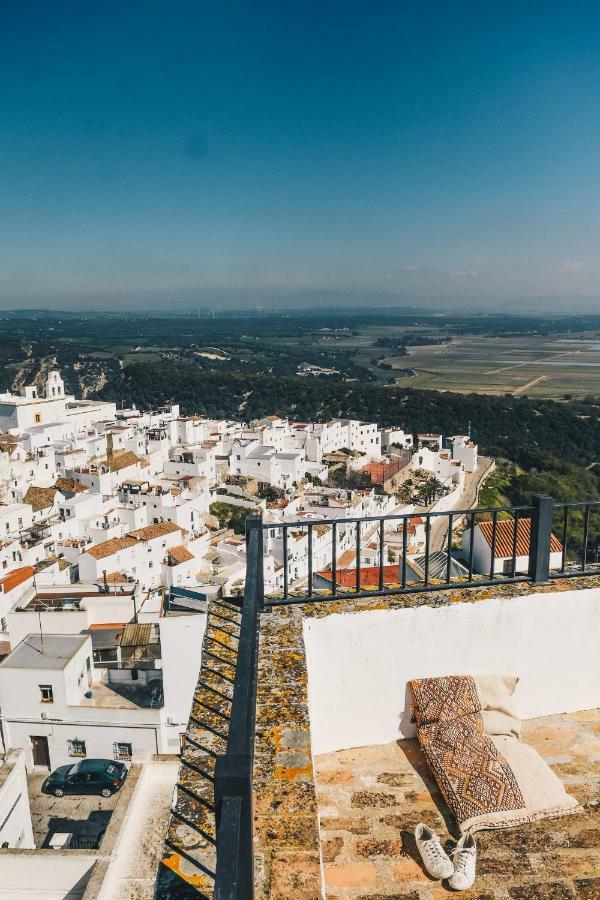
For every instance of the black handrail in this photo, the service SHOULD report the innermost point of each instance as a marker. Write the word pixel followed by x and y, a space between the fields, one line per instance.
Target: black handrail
pixel 391 517
pixel 234 875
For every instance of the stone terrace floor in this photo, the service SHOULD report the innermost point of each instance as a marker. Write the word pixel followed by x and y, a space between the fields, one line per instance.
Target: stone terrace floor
pixel 371 798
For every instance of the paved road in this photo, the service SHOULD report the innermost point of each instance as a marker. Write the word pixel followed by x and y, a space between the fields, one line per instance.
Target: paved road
pixel 473 482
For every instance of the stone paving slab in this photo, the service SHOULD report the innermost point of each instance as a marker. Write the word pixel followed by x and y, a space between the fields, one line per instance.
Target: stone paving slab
pixel 371 798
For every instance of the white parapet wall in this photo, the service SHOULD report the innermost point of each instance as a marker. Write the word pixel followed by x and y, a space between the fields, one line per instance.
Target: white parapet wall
pixel 27 874
pixel 16 830
pixel 359 663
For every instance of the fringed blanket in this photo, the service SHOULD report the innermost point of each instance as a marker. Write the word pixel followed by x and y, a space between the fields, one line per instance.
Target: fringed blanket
pixel 489 780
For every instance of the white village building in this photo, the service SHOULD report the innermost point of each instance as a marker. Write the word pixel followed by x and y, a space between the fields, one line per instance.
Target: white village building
pixel 504 545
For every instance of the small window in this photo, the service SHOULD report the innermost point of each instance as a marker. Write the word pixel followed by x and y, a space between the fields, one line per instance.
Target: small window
pixel 46 693
pixel 105 655
pixel 38 418
pixel 122 750
pixel 76 747
pixel 2 624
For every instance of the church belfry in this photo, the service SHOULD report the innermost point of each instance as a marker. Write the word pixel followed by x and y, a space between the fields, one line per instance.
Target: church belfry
pixel 55 387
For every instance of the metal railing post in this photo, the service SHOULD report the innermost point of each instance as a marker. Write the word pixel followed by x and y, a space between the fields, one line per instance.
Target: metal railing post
pixel 541 533
pixel 255 524
pixel 233 812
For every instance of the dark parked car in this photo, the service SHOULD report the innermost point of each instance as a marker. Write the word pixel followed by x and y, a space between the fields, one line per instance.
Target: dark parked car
pixel 90 776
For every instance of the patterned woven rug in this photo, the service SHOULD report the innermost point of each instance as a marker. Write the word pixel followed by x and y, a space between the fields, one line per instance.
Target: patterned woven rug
pixel 476 780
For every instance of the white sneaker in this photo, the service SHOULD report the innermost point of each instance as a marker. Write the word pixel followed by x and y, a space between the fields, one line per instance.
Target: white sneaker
pixel 435 859
pixel 464 857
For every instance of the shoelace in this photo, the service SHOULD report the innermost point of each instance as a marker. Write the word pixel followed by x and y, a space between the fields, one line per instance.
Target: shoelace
pixel 463 857
pixel 435 849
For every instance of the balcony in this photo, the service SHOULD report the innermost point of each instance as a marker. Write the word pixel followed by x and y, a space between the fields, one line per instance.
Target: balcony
pixel 301 775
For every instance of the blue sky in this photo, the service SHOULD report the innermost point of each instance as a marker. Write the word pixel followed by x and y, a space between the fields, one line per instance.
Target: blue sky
pixel 174 153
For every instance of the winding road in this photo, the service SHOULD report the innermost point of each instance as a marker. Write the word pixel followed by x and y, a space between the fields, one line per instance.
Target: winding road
pixel 468 500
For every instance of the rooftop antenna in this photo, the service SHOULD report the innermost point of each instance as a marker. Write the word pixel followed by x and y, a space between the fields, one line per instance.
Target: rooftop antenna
pixel 469 430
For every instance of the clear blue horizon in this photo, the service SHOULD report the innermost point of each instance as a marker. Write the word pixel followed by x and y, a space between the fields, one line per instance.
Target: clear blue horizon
pixel 155 154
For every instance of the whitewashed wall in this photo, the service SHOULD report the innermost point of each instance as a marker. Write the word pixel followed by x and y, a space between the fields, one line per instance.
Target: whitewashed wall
pixel 181 645
pixel 15 816
pixel 20 624
pixel 65 875
pixel 453 500
pixel 359 663
pixel 99 739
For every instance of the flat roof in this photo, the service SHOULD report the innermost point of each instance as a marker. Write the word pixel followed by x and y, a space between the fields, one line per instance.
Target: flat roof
pixel 50 651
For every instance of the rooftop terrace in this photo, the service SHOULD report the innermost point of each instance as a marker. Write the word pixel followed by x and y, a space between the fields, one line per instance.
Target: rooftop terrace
pixel 371 798
pixel 50 651
pixel 301 776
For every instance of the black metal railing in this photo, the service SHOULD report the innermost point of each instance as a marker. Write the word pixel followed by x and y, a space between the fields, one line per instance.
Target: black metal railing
pixel 578 526
pixel 536 543
pixel 500 545
pixel 234 876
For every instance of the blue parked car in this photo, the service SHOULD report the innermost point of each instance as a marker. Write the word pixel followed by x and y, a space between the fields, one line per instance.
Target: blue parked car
pixel 90 776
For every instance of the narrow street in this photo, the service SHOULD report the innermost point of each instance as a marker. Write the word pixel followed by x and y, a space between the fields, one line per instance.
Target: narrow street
pixel 473 482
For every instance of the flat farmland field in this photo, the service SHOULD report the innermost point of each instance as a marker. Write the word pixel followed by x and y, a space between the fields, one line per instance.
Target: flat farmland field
pixel 532 366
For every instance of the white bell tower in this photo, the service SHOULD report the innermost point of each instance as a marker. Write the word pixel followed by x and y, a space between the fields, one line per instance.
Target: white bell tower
pixel 55 388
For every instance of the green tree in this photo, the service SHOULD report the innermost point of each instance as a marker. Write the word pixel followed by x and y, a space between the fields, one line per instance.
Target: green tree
pixel 430 490
pixel 230 516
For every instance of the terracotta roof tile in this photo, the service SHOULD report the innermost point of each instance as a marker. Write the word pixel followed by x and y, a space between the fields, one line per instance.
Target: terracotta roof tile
pixel 39 497
pixel 16 577
pixel 107 548
pixel 179 554
pixel 116 578
pixel 369 576
pixel 347 557
pixel 505 531
pixel 69 486
pixel 159 529
pixel 121 461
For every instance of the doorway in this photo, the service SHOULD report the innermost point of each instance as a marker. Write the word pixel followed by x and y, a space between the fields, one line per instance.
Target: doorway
pixel 40 750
